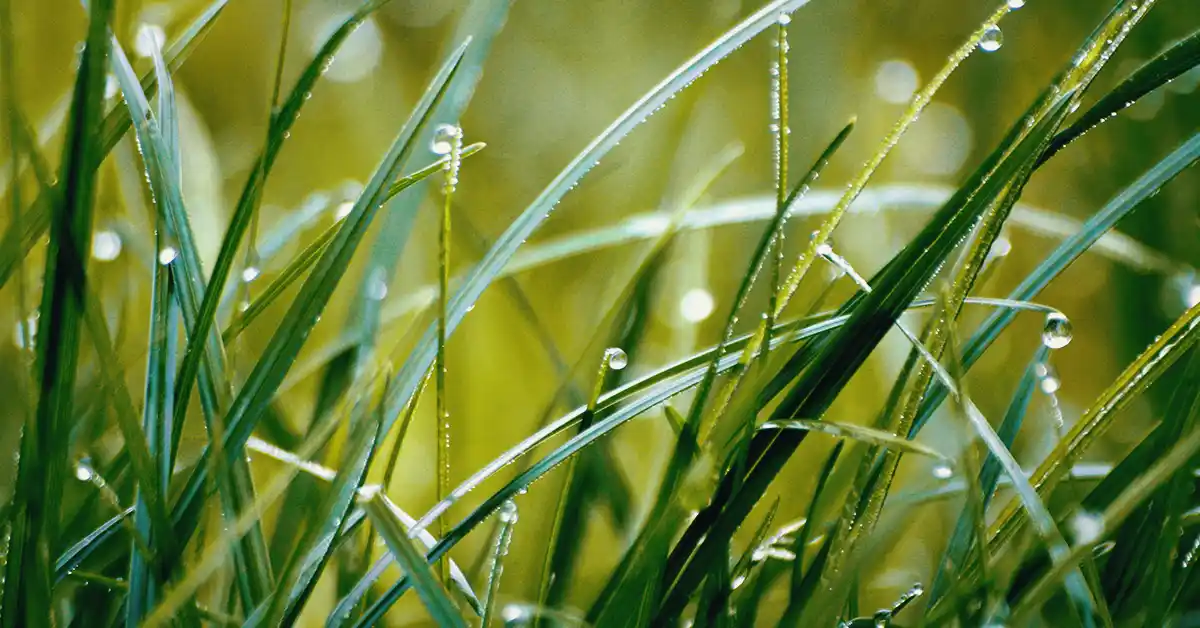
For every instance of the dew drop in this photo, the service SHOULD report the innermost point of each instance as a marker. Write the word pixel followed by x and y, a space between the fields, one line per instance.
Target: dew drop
pixel 84 471
pixel 1016 4
pixel 377 287
pixel 883 618
pixel 250 273
pixel 784 19
pixel 508 512
pixel 106 245
pixel 31 325
pixel 1056 333
pixel 992 39
pixel 943 472
pixel 443 139
pixel 616 358
pixel 1048 379
pixel 1087 527
pixel 343 210
pixel 167 255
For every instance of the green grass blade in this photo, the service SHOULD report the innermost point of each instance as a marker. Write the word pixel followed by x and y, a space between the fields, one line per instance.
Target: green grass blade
pixel 839 356
pixel 859 433
pixel 493 263
pixel 989 475
pixel 16 244
pixel 1103 220
pixel 1162 69
pixel 395 534
pixel 44 449
pixel 311 253
pixel 508 520
pixel 800 591
pixel 280 127
pixel 84 548
pixel 302 316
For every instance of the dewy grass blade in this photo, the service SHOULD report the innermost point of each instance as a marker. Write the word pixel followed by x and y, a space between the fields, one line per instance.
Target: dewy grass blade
pixel 311 253
pixel 839 356
pixel 280 127
pixel 494 261
pixel 17 243
pixel 508 520
pixel 381 511
pixel 45 441
pixel 858 433
pixel 302 316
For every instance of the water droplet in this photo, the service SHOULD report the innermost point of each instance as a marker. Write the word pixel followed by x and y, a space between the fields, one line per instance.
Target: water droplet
pixel 84 471
pixel 111 87
pixel 167 255
pixel 1048 379
pixel 1016 4
pixel 992 39
pixel 377 287
pixel 508 512
pixel 343 210
pixel 784 19
pixel 1087 527
pixel 30 327
pixel 616 358
pixel 943 472
pixel 250 273
pixel 1056 333
pixel 883 618
pixel 150 38
pixel 443 139
pixel 696 305
pixel 106 245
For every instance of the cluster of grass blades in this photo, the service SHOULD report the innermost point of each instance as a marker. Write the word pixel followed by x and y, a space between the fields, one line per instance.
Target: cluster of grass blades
pixel 714 547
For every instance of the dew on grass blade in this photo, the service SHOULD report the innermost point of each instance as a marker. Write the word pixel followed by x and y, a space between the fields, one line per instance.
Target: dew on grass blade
pixel 250 273
pixel 1016 4
pixel 616 358
pixel 1056 333
pixel 444 137
pixel 992 39
pixel 1048 379
pixel 167 255
pixel 1087 527
pixel 943 472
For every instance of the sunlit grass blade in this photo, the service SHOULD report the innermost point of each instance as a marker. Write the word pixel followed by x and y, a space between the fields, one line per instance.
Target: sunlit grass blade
pixel 840 355
pixel 508 520
pixel 45 441
pixel 395 534
pixel 16 244
pixel 532 216
pixel 293 330
pixel 858 433
pixel 311 253
pixel 1162 69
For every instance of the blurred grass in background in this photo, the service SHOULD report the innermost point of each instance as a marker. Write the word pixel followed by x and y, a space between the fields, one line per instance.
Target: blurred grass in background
pixel 556 75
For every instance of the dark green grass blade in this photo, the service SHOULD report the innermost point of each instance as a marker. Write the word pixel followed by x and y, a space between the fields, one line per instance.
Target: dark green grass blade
pixel 1155 73
pixel 280 127
pixel 156 417
pixel 311 253
pixel 414 369
pixel 799 592
pixel 159 146
pixel 839 357
pixel 1105 219
pixel 989 475
pixel 394 533
pixel 42 468
pixel 16 244
pixel 1140 567
pixel 302 316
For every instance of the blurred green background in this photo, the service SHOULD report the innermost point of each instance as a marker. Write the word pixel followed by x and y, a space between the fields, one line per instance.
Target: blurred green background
pixel 556 75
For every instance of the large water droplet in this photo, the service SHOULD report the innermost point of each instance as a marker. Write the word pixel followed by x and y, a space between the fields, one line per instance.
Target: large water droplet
pixel 616 358
pixel 250 273
pixel 508 511
pixel 992 39
pixel 443 139
pixel 1016 4
pixel 784 19
pixel 1048 379
pixel 106 245
pixel 343 210
pixel 1056 333
pixel 84 471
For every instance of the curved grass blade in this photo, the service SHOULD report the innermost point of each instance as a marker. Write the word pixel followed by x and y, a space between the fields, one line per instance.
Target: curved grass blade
pixel 382 513
pixel 856 432
pixel 280 126
pixel 73 557
pixel 989 475
pixel 838 357
pixel 302 316
pixel 16 244
pixel 410 376
pixel 1162 69
pixel 311 253
pixel 44 448
pixel 802 581
pixel 1120 206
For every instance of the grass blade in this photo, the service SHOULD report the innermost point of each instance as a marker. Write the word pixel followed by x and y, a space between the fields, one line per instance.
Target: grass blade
pixel 859 433
pixel 42 467
pixel 394 533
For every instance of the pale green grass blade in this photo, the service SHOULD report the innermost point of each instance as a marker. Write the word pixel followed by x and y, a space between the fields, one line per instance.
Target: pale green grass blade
pixel 859 433
pixel 44 450
pixel 393 531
